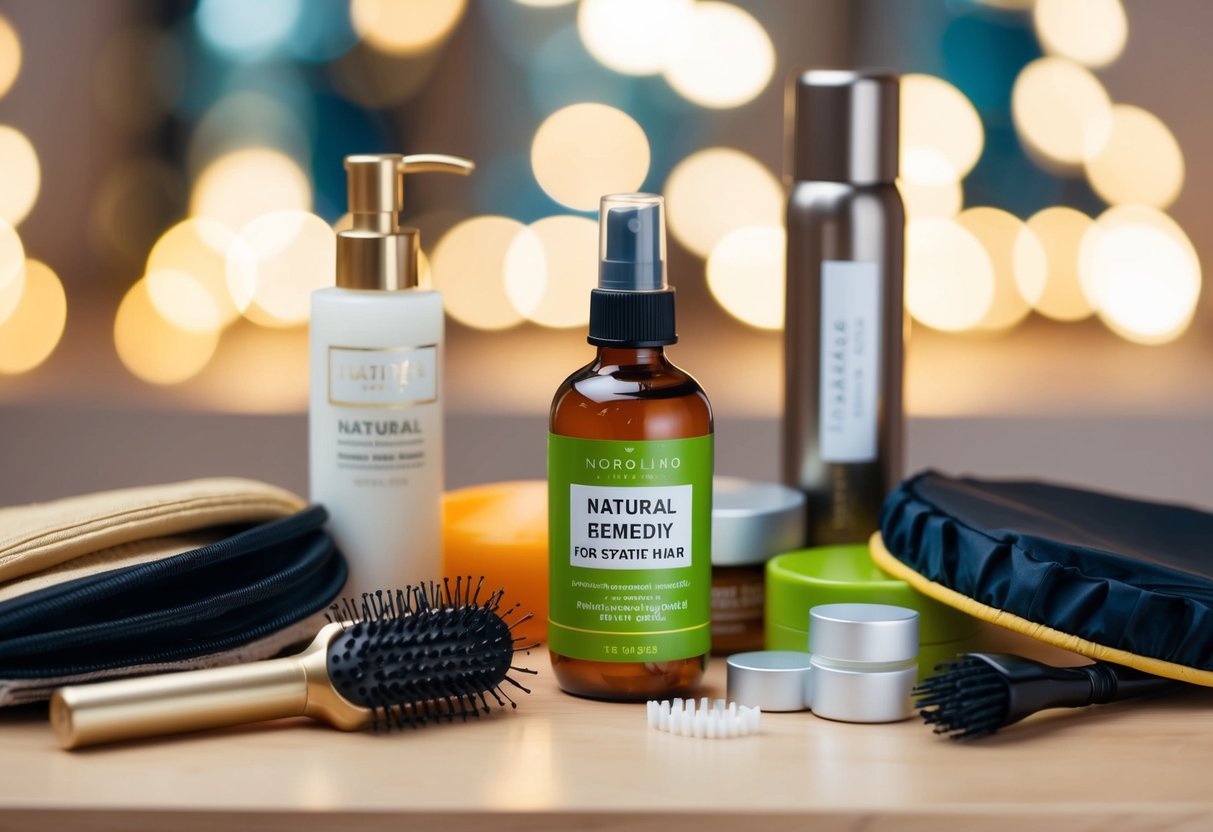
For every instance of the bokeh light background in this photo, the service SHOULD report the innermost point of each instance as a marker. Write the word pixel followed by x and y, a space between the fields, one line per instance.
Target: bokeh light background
pixel 170 177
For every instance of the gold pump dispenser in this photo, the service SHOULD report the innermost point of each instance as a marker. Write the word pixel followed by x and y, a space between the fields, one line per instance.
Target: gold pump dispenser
pixel 377 253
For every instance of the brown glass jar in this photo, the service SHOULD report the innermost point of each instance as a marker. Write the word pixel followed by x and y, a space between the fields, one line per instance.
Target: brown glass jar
pixel 737 609
pixel 751 522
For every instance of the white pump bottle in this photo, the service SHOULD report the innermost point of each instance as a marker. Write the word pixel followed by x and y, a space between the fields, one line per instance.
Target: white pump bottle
pixel 375 416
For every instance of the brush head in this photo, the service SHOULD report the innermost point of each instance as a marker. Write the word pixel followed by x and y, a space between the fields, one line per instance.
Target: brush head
pixel 967 698
pixel 978 693
pixel 424 654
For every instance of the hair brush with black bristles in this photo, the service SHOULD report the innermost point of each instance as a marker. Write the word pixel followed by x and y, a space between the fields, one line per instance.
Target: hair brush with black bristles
pixel 976 694
pixel 395 659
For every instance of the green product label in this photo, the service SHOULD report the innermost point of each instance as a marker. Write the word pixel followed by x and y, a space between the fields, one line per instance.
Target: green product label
pixel 630 537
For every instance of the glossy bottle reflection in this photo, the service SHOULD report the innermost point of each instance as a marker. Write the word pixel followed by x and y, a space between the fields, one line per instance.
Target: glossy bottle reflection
pixel 630 394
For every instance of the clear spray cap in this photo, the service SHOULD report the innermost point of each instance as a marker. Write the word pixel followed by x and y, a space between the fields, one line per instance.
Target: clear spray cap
pixel 631 243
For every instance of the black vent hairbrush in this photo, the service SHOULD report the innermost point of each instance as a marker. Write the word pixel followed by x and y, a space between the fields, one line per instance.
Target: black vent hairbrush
pixel 978 693
pixel 394 660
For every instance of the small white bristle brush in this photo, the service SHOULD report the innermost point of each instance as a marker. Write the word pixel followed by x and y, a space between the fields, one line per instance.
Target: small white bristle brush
pixel 712 719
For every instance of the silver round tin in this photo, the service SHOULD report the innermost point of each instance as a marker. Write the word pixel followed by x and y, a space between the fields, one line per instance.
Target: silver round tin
pixel 874 633
pixel 859 694
pixel 754 521
pixel 774 680
pixel 863 661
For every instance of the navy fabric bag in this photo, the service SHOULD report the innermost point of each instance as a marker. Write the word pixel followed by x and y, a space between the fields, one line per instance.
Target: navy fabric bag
pixel 1125 574
pixel 248 586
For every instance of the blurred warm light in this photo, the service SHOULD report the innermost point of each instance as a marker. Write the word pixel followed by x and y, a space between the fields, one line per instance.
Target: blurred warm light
pixel 198 249
pixel 183 300
pixel 132 204
pixel 1135 159
pixel 10 294
pixel 1016 257
pixel 1091 32
pixel 468 267
pixel 941 132
pixel 425 274
pixel 154 349
pixel 1058 107
pixel 10 55
pixel 405 27
pixel 247 30
pixel 245 119
pixel 254 370
pixel 240 186
pixel 138 76
pixel 746 275
pixel 724 58
pixel 32 331
pixel 20 175
pixel 287 255
pixel 949 276
pixel 550 271
pixel 931 200
pixel 1059 295
pixel 12 269
pixel 583 151
pixel 1142 272
pixel 717 190
pixel 632 36
pixel 543 4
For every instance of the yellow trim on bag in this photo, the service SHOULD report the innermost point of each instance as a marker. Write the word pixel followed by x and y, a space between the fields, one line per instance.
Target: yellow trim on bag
pixel 885 560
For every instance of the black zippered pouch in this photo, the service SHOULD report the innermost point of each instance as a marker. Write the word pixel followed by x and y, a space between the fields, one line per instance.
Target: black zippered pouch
pixel 198 597
pixel 203 601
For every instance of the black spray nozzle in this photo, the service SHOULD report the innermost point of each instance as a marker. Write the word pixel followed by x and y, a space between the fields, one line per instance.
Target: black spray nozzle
pixel 632 306
pixel 632 250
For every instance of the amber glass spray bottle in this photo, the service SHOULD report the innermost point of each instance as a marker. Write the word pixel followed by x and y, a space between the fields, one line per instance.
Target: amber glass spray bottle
pixel 630 484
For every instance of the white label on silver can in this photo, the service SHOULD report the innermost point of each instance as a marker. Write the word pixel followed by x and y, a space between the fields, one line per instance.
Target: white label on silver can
pixel 850 360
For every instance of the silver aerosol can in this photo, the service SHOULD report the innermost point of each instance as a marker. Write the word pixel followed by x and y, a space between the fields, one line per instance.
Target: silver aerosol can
pixel 844 317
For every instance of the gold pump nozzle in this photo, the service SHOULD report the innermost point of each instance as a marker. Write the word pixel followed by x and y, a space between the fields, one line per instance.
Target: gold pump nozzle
pixel 377 252
pixel 436 163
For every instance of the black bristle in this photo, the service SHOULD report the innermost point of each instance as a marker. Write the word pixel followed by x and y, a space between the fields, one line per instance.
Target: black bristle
pixel 427 653
pixel 967 698
pixel 513 704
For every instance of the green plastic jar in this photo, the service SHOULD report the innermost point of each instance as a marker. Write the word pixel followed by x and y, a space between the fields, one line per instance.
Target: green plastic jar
pixel 800 580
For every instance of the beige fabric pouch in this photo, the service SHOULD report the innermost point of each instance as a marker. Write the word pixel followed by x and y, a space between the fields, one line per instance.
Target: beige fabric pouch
pixel 141 580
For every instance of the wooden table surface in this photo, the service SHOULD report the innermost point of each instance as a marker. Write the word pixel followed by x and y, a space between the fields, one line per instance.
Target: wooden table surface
pixel 561 763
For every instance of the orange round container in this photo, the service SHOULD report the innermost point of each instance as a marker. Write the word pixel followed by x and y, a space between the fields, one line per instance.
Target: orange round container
pixel 500 530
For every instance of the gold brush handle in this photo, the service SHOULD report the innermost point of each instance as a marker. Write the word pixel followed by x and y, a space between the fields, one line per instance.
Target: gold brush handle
pixel 177 702
pixel 191 701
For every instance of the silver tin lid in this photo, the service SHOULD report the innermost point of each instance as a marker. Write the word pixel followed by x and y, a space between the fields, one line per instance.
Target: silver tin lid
pixel 871 633
pixel 754 521
pixel 774 680
pixel 850 695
